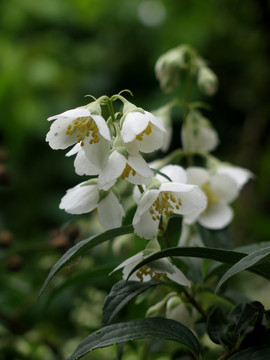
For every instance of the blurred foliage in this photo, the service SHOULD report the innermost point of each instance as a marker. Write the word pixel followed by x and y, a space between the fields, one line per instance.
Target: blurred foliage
pixel 53 53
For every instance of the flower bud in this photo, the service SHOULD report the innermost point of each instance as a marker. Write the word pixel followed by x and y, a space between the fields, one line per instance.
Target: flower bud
pixel 198 134
pixel 169 66
pixel 207 81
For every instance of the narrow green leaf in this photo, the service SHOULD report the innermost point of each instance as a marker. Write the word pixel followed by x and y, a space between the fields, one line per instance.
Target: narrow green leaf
pixel 121 293
pixel 138 329
pixel 245 263
pixel 255 353
pixel 224 256
pixel 81 247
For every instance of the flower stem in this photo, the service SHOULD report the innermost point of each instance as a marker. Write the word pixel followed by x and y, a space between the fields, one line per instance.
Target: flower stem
pixel 111 110
pixel 194 302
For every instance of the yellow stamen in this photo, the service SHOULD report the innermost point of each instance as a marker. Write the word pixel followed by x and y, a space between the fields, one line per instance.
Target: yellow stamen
pixel 146 270
pixel 127 170
pixel 166 203
pixel 146 131
pixel 84 127
pixel 211 197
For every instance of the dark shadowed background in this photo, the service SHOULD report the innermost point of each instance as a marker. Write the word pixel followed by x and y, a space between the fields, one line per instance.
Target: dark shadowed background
pixel 53 53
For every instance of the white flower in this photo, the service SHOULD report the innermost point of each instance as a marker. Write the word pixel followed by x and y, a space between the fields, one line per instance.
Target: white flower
pixel 198 134
pixel 142 132
pixel 220 190
pixel 165 199
pixel 81 126
pixel 131 167
pixel 85 197
pixel 240 175
pixel 158 270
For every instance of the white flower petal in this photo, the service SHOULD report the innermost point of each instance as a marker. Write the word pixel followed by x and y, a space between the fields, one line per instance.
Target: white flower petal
pixel 83 166
pixel 224 187
pixel 112 170
pixel 72 114
pixel 153 141
pixel 139 165
pixel 193 203
pixel 97 153
pixel 133 260
pixel 80 199
pixel 179 277
pixel 57 137
pixel 147 199
pixel 197 175
pixel 102 126
pixel 134 123
pixel 177 187
pixel 110 212
pixel 76 148
pixel 175 172
pixel 240 175
pixel 217 217
pixel 155 121
pixel 146 227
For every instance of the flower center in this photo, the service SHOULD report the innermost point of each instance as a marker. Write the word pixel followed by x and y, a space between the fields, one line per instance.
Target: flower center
pixel 146 270
pixel 165 203
pixel 211 197
pixel 146 131
pixel 84 126
pixel 127 171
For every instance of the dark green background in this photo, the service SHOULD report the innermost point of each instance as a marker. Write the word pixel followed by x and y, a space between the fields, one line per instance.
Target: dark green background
pixel 54 52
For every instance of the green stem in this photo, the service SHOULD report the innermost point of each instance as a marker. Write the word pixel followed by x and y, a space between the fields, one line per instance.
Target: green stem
pixel 186 106
pixel 194 302
pixel 111 110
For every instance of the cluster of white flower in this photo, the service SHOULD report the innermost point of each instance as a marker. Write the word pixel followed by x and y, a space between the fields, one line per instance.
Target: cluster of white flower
pixel 109 150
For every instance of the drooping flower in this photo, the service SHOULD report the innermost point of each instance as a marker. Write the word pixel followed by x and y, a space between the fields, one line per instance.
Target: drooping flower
pixel 166 198
pixel 142 131
pixel 220 190
pixel 87 197
pixel 130 167
pixel 157 270
pixel 82 126
pixel 198 134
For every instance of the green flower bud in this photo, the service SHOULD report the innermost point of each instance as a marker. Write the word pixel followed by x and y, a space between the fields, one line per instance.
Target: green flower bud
pixel 169 66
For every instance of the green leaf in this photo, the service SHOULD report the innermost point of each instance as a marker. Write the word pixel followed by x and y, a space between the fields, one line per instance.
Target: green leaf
pixel 245 263
pixel 121 293
pixel 138 329
pixel 92 276
pixel 255 353
pixel 81 247
pixel 232 327
pixel 224 256
pixel 249 317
